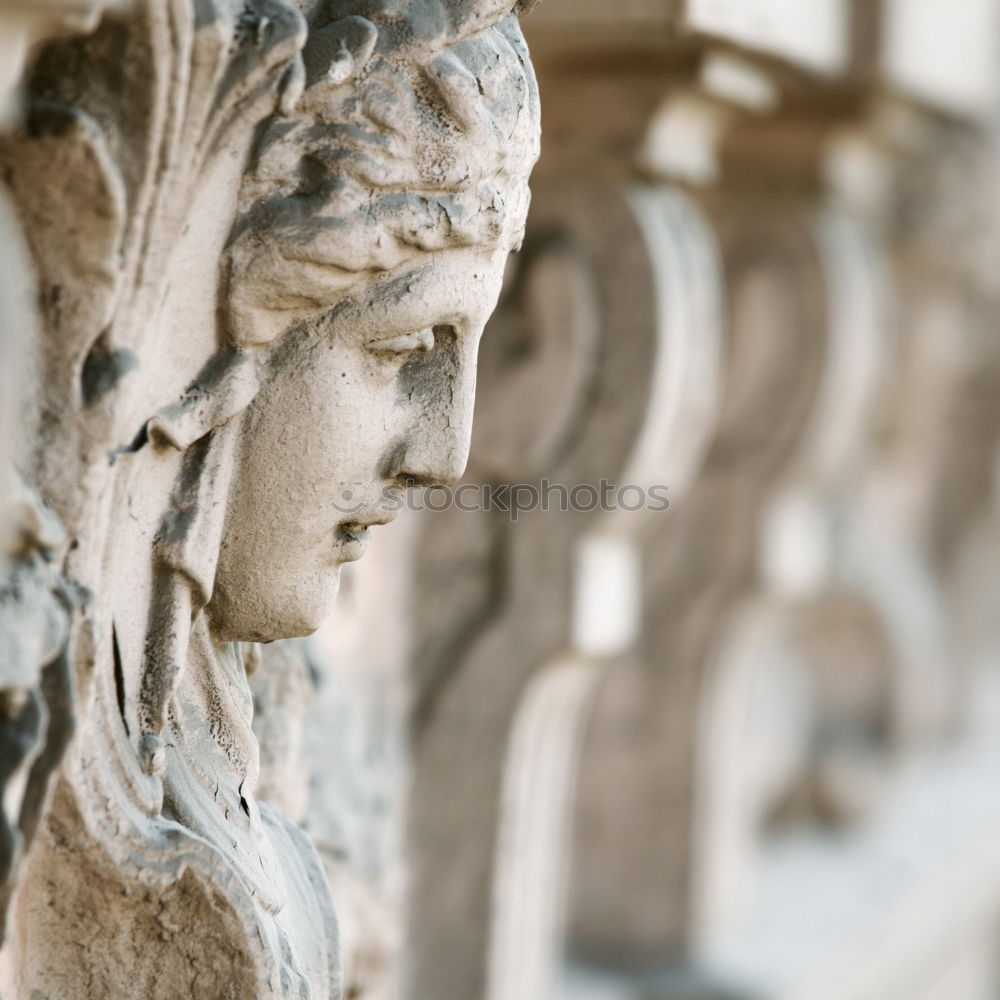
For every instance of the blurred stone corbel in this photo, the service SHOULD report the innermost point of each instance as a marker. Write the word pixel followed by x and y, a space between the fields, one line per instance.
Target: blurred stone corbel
pixel 626 322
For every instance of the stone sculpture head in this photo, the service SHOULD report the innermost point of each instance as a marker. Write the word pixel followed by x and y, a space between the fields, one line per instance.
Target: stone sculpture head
pixel 373 224
pixel 361 250
pixel 368 253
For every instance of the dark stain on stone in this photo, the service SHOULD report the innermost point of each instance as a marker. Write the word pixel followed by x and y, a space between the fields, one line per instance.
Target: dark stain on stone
pixel 103 368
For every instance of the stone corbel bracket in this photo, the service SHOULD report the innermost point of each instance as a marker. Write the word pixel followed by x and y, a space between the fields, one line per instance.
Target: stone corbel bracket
pixel 618 317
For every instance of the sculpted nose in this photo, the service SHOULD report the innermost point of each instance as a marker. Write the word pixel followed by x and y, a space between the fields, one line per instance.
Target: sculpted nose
pixel 434 448
pixel 442 468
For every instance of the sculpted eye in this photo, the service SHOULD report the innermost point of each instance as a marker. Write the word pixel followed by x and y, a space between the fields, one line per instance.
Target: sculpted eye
pixel 422 340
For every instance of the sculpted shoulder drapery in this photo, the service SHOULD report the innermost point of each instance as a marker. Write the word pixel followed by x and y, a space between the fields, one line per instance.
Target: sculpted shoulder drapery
pixel 291 315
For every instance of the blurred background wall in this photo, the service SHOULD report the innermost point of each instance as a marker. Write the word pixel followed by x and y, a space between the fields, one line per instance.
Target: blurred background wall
pixel 747 746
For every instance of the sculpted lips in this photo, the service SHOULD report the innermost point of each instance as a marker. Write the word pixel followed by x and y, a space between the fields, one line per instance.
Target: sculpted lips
pixel 352 538
pixel 351 542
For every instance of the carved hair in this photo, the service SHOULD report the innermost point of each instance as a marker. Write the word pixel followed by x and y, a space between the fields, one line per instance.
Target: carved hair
pixel 416 130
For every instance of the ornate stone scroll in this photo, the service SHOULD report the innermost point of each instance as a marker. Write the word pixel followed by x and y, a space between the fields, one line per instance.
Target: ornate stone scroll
pixel 533 854
pixel 796 718
pixel 942 420
pixel 267 243
pixel 640 743
pixel 605 321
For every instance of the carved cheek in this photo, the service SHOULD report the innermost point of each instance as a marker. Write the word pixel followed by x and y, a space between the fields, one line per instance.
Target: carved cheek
pixel 297 444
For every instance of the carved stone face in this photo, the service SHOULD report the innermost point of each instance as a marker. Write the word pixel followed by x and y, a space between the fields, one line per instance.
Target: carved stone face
pixel 374 396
